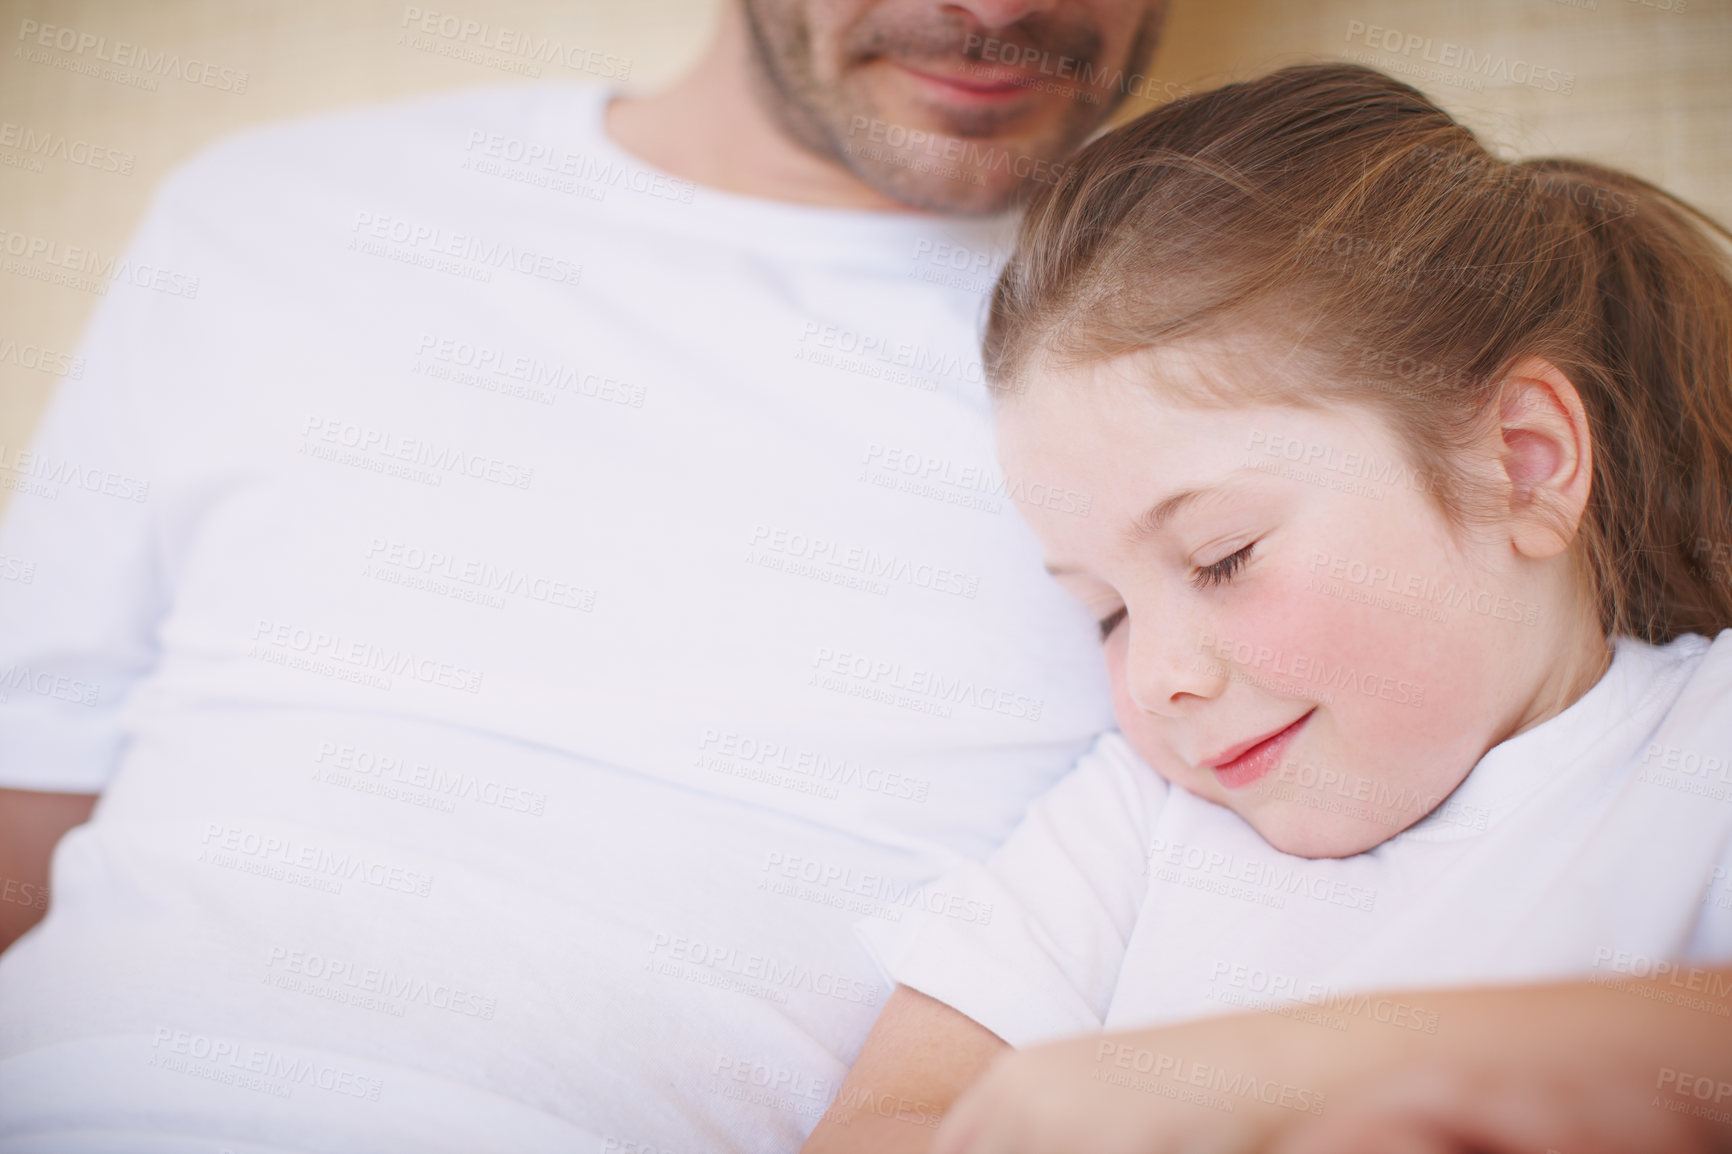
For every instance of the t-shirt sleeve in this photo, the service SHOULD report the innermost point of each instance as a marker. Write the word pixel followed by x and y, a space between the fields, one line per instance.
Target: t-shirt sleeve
pixel 81 582
pixel 1030 942
pixel 1711 939
pixel 1689 759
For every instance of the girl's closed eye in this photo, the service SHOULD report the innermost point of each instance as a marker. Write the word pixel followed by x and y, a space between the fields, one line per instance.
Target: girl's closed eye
pixel 1223 570
pixel 1219 573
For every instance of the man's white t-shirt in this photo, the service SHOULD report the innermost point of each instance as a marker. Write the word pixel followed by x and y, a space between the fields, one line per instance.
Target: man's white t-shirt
pixel 521 608
pixel 1596 844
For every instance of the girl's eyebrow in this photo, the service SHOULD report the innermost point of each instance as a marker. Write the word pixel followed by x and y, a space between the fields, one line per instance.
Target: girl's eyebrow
pixel 1149 523
pixel 1150 520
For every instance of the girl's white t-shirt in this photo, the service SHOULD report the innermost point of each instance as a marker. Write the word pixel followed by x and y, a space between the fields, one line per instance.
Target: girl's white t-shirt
pixel 1597 844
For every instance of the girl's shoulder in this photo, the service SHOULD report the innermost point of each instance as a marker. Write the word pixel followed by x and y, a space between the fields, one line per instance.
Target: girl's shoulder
pixel 1686 681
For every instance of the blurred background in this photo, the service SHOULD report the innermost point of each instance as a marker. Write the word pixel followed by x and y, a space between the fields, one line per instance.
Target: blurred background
pixel 100 98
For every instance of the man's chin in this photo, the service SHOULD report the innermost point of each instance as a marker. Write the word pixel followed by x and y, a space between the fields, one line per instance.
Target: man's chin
pixel 926 192
pixel 952 174
pixel 943 158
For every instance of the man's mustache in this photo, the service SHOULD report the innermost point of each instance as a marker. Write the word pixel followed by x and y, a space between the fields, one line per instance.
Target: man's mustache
pixel 1034 44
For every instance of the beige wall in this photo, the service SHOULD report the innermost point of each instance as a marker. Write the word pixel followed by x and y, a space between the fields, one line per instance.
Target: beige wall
pixel 1623 82
pixel 1643 85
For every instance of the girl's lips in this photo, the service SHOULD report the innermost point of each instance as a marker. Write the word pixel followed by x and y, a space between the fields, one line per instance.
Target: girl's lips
pixel 1249 764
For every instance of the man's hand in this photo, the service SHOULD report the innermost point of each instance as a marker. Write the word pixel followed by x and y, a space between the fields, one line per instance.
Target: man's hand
pixel 1585 1068
pixel 31 824
pixel 1218 1085
pixel 1498 1109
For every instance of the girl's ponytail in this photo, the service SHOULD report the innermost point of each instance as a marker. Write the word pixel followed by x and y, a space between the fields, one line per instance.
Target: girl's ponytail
pixel 1658 386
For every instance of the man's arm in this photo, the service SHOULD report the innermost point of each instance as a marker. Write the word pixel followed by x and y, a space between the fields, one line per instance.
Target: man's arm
pixel 919 1057
pixel 1580 1067
pixel 31 824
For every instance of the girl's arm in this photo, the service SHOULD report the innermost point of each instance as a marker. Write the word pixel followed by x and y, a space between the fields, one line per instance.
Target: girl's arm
pixel 1577 1067
pixel 1074 871
pixel 919 1057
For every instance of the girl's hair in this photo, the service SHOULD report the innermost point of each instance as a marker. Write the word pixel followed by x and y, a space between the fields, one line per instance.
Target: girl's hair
pixel 1401 266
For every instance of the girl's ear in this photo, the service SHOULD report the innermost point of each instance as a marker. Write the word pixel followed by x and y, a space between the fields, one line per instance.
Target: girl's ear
pixel 1544 448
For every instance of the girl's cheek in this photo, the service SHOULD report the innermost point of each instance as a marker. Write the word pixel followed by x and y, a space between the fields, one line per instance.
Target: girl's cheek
pixel 1278 634
pixel 1314 627
pixel 1385 675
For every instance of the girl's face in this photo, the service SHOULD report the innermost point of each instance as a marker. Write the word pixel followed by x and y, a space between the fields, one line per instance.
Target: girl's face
pixel 1292 628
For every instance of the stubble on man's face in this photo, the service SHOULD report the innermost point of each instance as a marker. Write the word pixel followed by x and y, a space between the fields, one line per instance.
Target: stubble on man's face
pixel 845 82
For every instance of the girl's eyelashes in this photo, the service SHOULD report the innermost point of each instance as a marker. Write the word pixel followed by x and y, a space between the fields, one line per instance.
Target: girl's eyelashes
pixel 1223 570
pixel 1219 573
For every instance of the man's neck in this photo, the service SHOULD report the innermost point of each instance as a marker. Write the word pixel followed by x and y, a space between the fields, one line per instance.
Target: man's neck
pixel 711 127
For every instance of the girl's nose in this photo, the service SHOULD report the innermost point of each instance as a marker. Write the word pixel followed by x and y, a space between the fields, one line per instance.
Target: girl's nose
pixel 1165 672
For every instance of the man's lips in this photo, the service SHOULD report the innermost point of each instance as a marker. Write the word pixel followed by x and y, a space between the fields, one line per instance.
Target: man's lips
pixel 973 82
pixel 1240 765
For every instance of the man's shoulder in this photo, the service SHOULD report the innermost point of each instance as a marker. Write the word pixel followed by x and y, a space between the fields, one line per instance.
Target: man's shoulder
pixel 402 142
